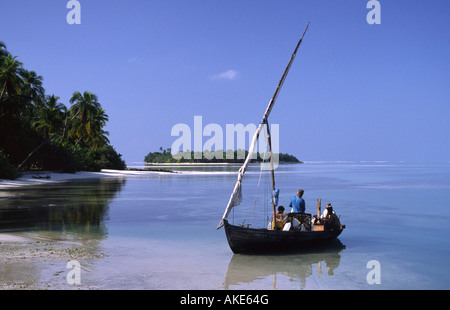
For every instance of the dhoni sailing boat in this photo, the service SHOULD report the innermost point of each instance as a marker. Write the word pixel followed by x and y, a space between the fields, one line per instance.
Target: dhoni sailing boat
pixel 243 239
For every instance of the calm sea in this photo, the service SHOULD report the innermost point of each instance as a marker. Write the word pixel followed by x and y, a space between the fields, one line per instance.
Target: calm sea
pixel 159 231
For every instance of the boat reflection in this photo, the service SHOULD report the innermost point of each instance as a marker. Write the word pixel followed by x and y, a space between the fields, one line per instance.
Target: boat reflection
pixel 75 208
pixel 248 269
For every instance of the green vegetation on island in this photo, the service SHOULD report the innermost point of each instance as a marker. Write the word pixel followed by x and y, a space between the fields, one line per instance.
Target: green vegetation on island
pixel 39 132
pixel 165 156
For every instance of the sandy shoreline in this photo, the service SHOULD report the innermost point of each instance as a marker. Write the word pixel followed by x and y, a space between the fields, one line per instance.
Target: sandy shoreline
pixel 39 263
pixel 43 177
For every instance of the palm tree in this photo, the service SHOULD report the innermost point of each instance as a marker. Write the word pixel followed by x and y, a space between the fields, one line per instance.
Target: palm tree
pixel 32 86
pixel 52 103
pixel 10 76
pixel 97 137
pixel 99 140
pixel 50 117
pixel 11 82
pixel 3 52
pixel 86 105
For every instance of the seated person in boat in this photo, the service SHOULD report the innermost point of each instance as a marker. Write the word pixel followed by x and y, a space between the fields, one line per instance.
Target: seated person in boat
pixel 297 203
pixel 325 212
pixel 281 218
pixel 331 220
pixel 281 210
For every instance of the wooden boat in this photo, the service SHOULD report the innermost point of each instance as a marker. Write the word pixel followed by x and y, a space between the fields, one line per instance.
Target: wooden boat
pixel 243 239
pixel 262 240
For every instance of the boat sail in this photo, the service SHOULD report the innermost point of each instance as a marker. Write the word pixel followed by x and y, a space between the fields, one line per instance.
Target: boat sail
pixel 245 239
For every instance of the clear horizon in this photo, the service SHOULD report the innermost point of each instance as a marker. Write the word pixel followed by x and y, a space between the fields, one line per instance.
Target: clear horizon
pixel 356 92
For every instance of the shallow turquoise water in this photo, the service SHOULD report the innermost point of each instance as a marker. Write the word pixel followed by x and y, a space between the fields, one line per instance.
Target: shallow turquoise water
pixel 159 231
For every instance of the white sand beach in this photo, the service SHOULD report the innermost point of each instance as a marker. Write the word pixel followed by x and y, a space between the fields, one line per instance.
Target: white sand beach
pixel 31 262
pixel 44 177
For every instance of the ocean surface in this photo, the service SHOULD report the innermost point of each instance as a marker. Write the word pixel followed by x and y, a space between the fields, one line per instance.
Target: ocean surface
pixel 159 231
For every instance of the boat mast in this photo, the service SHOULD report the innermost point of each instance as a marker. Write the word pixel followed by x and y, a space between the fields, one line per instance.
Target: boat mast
pixel 283 78
pixel 236 195
pixel 266 122
pixel 272 173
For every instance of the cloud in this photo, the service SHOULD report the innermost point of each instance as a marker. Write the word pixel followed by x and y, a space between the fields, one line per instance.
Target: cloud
pixel 131 60
pixel 227 75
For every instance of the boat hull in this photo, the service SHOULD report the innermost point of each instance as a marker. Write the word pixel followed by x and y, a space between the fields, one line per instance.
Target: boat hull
pixel 260 240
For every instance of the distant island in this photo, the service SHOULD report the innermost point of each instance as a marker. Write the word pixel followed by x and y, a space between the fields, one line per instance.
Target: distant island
pixel 230 156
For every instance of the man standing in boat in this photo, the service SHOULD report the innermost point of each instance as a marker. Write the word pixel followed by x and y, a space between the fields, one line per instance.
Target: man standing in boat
pixel 298 203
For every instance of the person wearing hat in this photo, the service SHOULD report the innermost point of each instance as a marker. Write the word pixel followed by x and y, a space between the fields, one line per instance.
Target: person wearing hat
pixel 330 218
pixel 281 218
pixel 328 209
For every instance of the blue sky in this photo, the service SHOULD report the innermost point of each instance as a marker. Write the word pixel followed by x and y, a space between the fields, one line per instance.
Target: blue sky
pixel 355 91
